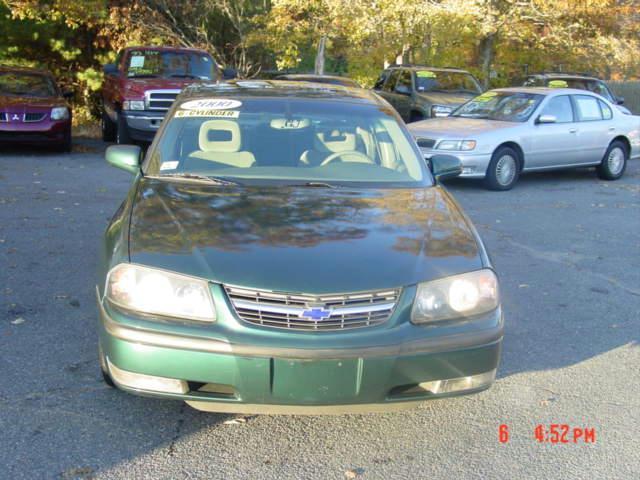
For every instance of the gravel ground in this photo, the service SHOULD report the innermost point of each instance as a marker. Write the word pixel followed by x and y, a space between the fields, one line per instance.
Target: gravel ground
pixel 566 245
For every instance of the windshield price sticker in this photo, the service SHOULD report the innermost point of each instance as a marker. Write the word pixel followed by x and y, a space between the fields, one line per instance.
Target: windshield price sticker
pixel 211 103
pixel 485 97
pixel 207 113
pixel 169 165
pixel 426 74
pixel 558 84
pixel 137 61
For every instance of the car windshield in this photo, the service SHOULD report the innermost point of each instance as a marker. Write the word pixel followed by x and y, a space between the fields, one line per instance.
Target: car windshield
pixel 450 82
pixel 158 63
pixel 26 84
pixel 311 142
pixel 503 106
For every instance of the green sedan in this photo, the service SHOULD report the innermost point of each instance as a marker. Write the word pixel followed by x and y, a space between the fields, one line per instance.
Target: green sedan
pixel 285 248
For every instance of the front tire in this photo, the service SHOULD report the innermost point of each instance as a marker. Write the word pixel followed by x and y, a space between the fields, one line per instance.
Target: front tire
pixel 66 144
pixel 503 170
pixel 108 128
pixel 415 117
pixel 106 378
pixel 122 134
pixel 614 162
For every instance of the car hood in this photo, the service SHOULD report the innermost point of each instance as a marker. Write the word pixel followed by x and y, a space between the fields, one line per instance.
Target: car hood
pixel 441 98
pixel 303 240
pixel 456 127
pixel 137 86
pixel 17 104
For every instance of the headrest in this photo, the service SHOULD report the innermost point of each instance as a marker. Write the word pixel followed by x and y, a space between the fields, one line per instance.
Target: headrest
pixel 335 141
pixel 219 136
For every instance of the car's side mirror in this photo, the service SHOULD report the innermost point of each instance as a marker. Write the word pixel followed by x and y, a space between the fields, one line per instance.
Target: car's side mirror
pixel 229 73
pixel 619 100
pixel 125 157
pixel 445 166
pixel 110 69
pixel 402 90
pixel 544 119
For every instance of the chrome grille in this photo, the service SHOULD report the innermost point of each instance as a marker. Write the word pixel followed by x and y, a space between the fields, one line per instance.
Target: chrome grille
pixel 3 117
pixel 34 117
pixel 296 311
pixel 160 99
pixel 426 142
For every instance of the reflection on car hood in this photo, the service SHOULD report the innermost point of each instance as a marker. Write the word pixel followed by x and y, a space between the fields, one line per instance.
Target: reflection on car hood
pixel 456 127
pixel 306 240
pixel 443 98
pixel 17 103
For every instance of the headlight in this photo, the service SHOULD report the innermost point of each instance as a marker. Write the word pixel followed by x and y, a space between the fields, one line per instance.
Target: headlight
pixel 59 113
pixel 441 110
pixel 157 292
pixel 463 145
pixel 454 297
pixel 133 105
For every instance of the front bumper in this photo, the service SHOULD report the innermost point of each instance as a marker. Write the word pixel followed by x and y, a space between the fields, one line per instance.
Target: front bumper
pixel 47 131
pixel 474 165
pixel 143 125
pixel 223 376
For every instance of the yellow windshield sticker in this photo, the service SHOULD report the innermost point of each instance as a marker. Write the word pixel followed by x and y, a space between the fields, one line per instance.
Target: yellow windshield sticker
pixel 426 74
pixel 485 97
pixel 558 84
pixel 207 113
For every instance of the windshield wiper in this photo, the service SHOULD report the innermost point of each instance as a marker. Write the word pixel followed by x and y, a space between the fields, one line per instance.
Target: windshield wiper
pixel 314 185
pixel 195 177
pixel 143 75
pixel 182 75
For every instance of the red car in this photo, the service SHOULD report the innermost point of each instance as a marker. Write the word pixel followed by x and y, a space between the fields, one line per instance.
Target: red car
pixel 33 110
pixel 142 84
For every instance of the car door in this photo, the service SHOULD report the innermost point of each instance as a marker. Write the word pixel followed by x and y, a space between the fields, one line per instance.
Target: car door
pixel 402 92
pixel 386 91
pixel 595 130
pixel 555 143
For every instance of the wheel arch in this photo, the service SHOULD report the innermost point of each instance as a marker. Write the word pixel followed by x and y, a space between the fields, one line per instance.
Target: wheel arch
pixel 624 140
pixel 516 146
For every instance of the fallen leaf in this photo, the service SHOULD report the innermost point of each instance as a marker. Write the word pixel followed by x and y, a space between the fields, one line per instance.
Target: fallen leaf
pixel 236 421
pixel 18 321
pixel 354 472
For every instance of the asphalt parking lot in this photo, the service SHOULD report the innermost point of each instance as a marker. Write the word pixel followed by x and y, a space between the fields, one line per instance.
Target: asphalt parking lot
pixel 567 248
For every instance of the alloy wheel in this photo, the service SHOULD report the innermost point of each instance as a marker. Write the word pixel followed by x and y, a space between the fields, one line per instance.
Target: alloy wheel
pixel 506 169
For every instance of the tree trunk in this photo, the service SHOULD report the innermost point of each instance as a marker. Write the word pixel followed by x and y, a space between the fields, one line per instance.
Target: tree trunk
pixel 319 67
pixel 486 54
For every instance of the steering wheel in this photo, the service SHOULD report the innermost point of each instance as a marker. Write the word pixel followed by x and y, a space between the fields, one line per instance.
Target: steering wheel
pixel 335 155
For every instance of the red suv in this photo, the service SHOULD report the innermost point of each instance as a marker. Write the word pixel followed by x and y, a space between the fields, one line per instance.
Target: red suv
pixel 143 83
pixel 33 109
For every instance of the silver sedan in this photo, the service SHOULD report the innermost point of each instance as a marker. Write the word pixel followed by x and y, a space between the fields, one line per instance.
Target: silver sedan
pixel 507 131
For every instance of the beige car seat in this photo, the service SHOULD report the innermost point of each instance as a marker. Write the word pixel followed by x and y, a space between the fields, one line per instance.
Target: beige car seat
pixel 326 143
pixel 224 151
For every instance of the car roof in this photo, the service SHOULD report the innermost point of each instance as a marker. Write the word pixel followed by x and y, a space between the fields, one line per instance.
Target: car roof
pixel 166 49
pixel 39 71
pixel 552 75
pixel 426 67
pixel 281 89
pixel 312 75
pixel 546 90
